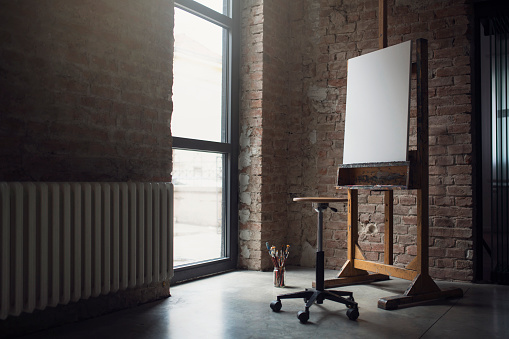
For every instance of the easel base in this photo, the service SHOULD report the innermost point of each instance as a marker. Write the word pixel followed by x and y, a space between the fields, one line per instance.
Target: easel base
pixel 358 279
pixel 393 302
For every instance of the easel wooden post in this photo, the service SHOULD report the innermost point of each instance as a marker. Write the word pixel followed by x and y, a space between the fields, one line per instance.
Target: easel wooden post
pixel 412 174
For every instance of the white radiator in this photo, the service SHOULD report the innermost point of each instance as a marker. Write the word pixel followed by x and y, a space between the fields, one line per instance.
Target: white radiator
pixel 61 242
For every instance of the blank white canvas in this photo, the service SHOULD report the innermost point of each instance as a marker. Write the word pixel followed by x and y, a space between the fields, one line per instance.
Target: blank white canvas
pixel 377 105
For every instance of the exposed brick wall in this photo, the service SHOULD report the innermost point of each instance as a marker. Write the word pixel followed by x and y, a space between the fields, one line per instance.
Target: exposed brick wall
pixel 277 125
pixel 323 36
pixel 250 158
pixel 85 90
pixel 265 131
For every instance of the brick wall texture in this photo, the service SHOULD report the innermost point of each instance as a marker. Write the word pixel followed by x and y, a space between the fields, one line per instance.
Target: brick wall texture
pixel 85 90
pixel 293 100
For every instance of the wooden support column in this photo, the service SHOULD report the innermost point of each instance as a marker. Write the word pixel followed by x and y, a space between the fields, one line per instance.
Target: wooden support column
pixel 389 224
pixel 389 196
pixel 423 282
pixel 422 155
pixel 353 223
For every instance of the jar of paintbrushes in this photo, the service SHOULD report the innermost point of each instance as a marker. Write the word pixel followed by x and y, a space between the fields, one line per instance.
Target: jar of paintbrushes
pixel 278 260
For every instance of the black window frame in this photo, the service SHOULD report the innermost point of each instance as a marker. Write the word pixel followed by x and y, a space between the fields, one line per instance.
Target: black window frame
pixel 228 146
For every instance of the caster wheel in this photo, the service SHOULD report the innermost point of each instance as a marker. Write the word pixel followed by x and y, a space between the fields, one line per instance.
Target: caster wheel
pixel 303 316
pixel 350 299
pixel 352 313
pixel 276 305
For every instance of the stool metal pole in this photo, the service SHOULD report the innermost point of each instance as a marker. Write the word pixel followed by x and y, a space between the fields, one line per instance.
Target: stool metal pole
pixel 320 264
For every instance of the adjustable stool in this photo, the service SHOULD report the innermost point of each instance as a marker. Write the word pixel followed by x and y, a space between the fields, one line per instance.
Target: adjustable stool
pixel 319 293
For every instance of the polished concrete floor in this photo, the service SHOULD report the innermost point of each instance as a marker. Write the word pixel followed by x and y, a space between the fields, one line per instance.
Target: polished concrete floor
pixel 236 305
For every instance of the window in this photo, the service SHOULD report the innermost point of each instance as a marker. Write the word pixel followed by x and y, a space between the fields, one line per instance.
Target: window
pixel 205 137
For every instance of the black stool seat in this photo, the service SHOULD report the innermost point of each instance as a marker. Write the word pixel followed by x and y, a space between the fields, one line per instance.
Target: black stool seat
pixel 319 294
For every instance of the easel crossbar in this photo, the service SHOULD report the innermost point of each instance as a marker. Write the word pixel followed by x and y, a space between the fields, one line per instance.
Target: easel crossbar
pixel 390 270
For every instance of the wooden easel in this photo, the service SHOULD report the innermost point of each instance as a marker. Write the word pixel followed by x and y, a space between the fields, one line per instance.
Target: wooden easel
pixel 412 174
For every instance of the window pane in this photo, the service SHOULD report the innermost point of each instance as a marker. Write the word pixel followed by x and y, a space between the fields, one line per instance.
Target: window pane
pixel 216 5
pixel 197 79
pixel 198 206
